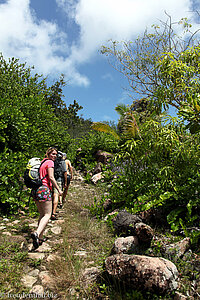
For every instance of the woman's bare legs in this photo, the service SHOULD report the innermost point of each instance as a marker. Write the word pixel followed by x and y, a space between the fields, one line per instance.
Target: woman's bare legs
pixel 65 193
pixel 55 202
pixel 45 209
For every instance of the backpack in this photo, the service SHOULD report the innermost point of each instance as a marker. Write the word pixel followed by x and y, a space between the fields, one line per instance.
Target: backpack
pixel 58 169
pixel 32 173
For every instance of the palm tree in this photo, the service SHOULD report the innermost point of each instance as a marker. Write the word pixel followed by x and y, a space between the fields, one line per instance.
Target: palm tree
pixel 102 127
pixel 127 125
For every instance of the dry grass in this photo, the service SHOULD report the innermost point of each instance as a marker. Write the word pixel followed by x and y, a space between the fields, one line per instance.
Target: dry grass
pixel 84 235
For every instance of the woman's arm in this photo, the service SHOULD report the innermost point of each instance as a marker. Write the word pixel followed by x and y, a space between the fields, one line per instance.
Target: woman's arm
pixel 53 181
pixel 71 171
pixel 65 177
pixel 69 167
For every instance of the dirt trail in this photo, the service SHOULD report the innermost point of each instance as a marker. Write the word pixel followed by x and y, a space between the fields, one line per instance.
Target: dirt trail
pixel 52 270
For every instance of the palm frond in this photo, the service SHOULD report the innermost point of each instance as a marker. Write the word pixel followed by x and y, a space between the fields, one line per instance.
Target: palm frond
pixel 130 126
pixel 102 127
pixel 121 109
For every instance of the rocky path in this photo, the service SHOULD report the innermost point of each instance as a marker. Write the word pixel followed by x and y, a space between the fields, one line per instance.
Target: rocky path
pixel 38 275
pixel 64 266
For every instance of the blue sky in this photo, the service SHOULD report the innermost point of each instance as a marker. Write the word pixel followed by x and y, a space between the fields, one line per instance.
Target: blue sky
pixel 65 36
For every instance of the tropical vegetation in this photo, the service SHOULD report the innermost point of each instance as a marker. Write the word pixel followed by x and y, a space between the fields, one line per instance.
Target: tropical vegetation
pixel 158 155
pixel 33 117
pixel 155 156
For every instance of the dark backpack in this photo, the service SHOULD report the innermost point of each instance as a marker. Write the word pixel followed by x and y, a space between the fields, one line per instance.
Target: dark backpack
pixel 58 169
pixel 32 178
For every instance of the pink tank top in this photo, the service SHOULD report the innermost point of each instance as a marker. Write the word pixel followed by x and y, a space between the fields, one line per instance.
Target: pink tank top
pixel 44 172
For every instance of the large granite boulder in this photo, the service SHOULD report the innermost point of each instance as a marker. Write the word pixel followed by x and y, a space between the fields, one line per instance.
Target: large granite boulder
pixel 153 274
pixel 124 223
pixel 178 249
pixel 89 276
pixel 103 156
pixel 126 245
pixel 144 233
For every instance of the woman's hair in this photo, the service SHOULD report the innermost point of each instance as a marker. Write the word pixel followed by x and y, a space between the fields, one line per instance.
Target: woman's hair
pixel 51 149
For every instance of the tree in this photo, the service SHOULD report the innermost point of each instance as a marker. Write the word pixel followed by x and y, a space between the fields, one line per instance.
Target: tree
pixel 127 125
pixel 160 171
pixel 180 78
pixel 54 97
pixel 76 125
pixel 27 127
pixel 137 60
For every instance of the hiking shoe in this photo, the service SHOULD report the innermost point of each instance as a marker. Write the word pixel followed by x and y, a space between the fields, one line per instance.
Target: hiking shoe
pixel 35 239
pixel 53 217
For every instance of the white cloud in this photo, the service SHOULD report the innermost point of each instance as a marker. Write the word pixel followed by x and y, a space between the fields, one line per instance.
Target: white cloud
pixel 38 42
pixel 44 45
pixel 101 20
pixel 108 76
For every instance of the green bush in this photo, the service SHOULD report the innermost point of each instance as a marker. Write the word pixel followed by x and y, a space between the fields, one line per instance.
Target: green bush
pixel 90 144
pixel 11 185
pixel 161 169
pixel 28 126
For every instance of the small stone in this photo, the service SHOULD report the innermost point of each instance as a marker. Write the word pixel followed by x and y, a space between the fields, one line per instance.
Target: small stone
pixel 34 273
pixel 16 222
pixel 53 257
pixel 9 224
pixel 44 248
pixel 144 232
pixel 30 246
pixel 37 289
pixel 56 230
pixel 96 178
pixel 2 227
pixel 28 280
pixel 6 219
pixel 90 263
pixel 22 212
pixel 60 221
pixel 7 233
pixel 35 224
pixel 60 241
pixel 178 249
pixel 46 279
pixel 80 253
pixel 36 255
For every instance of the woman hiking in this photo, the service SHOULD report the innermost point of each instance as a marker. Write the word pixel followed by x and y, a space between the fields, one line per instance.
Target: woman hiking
pixel 43 195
